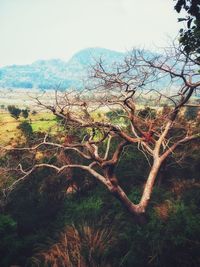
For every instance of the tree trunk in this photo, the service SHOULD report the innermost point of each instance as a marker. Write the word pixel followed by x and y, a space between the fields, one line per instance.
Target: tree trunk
pixel 138 210
pixel 123 198
pixel 148 188
pixel 119 193
pixel 132 208
pixel 162 174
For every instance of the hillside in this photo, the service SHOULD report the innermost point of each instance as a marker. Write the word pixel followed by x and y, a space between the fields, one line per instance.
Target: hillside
pixel 54 73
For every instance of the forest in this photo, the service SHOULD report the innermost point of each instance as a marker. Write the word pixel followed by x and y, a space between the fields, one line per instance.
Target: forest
pixel 108 175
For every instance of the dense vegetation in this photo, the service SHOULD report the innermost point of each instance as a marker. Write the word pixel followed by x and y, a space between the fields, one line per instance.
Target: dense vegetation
pixel 190 34
pixel 67 218
pixel 70 220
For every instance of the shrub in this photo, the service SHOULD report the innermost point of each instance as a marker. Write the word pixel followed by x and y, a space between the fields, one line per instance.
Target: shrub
pixel 25 113
pixel 81 245
pixel 191 113
pixel 14 111
pixel 26 129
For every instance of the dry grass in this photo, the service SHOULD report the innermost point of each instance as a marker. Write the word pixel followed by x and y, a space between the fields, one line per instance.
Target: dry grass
pixel 42 122
pixel 163 210
pixel 81 246
pixel 179 186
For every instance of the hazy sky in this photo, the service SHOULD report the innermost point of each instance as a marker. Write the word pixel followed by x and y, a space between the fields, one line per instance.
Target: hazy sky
pixel 44 29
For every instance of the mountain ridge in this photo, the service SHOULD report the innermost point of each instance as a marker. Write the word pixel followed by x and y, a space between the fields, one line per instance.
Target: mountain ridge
pixel 53 73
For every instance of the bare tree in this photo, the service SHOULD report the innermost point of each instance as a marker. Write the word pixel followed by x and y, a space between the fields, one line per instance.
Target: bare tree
pixel 122 88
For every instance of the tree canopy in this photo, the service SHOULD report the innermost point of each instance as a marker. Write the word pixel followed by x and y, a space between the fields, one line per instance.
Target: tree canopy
pixel 190 34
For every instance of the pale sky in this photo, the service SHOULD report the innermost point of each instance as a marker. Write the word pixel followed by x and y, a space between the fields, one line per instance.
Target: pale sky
pixel 45 29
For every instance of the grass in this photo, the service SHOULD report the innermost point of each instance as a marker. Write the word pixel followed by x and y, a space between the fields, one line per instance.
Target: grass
pixel 42 126
pixel 81 245
pixel 8 126
pixel 42 122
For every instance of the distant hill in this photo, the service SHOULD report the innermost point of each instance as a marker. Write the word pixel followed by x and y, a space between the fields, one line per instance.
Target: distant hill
pixel 60 74
pixel 56 73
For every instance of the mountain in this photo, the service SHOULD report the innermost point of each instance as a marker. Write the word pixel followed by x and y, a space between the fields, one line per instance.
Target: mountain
pixel 56 73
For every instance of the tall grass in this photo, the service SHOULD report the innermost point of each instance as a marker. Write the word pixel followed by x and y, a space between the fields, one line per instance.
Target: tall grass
pixel 78 246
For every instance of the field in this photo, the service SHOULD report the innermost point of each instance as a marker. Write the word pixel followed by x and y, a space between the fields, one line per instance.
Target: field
pixel 23 97
pixel 40 122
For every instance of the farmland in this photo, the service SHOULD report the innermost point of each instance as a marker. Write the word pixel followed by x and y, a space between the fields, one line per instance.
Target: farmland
pixel 40 122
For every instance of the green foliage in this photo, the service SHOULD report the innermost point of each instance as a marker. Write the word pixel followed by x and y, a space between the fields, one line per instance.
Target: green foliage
pixel 135 195
pixel 9 240
pixel 190 35
pixel 113 115
pixel 169 241
pixel 26 129
pixel 14 111
pixel 147 112
pixel 117 117
pixel 128 173
pixel 7 224
pixel 25 113
pixel 40 209
pixel 191 113
pixel 80 207
pixel 172 242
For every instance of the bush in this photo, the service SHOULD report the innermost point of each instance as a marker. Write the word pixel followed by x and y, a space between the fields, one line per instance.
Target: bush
pixel 14 111
pixel 25 113
pixel 26 129
pixel 147 112
pixel 9 240
pixel 191 113
pixel 82 245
